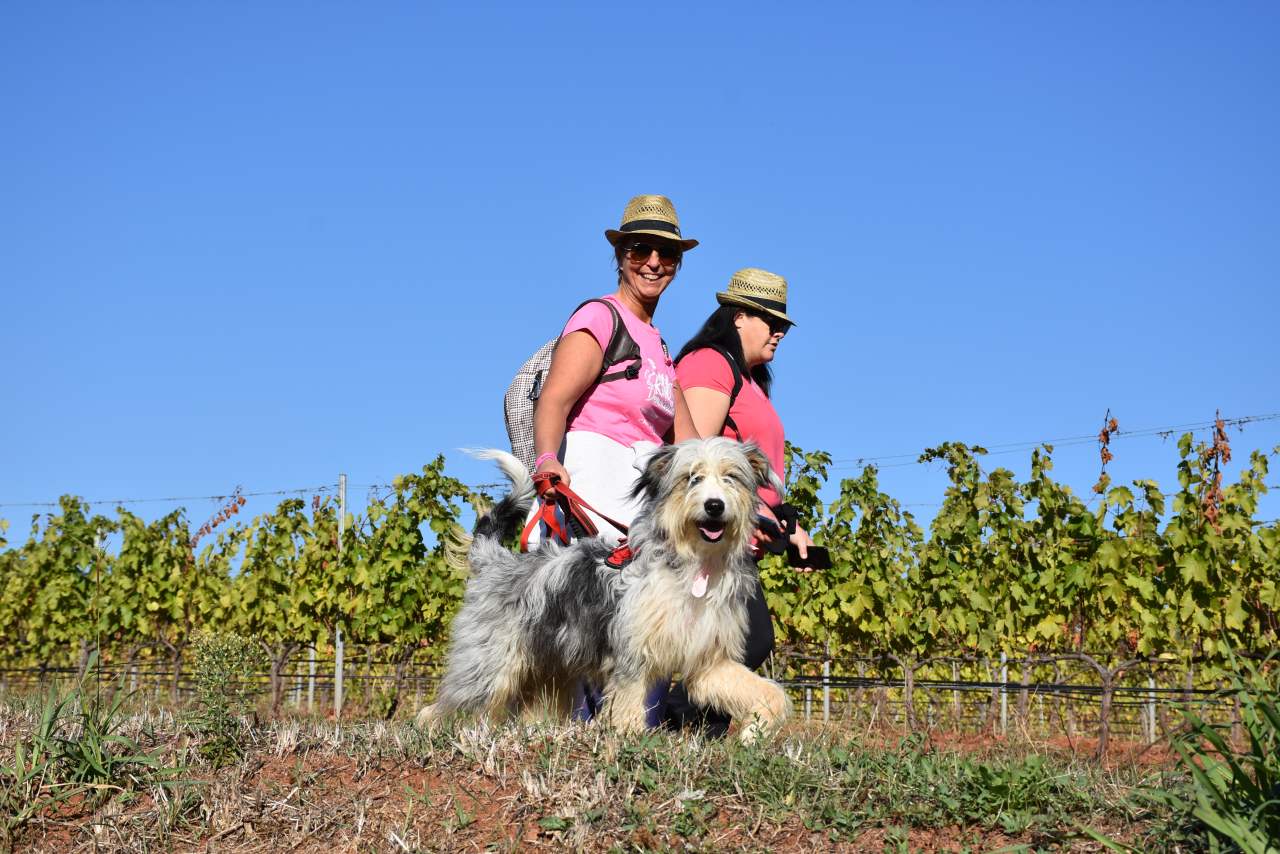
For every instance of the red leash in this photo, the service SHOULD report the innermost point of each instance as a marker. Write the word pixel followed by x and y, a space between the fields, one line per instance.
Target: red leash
pixel 570 504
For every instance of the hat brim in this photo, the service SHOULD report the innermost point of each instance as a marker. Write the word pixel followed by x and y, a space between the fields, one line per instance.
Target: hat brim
pixel 613 236
pixel 726 298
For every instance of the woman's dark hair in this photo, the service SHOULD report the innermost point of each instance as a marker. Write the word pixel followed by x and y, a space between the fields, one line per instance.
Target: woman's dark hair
pixel 719 330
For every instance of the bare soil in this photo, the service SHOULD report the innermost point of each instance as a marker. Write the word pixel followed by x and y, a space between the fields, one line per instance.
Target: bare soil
pixel 295 793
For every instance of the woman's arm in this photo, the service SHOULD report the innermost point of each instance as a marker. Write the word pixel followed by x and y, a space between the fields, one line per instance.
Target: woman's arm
pixel 574 367
pixel 707 408
pixel 684 426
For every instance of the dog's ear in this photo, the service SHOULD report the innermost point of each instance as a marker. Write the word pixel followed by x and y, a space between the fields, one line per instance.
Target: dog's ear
pixel 765 475
pixel 655 469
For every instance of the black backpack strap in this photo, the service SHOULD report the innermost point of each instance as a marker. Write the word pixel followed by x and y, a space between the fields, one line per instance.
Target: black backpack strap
pixel 737 386
pixel 620 348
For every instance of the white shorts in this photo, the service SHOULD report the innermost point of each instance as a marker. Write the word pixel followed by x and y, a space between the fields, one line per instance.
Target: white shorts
pixel 601 472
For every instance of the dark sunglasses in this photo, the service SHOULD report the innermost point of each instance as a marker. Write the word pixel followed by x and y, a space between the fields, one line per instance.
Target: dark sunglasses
pixel 641 252
pixel 776 324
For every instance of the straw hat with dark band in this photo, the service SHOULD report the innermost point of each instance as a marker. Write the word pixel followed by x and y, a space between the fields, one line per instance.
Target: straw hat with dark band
pixel 650 215
pixel 759 290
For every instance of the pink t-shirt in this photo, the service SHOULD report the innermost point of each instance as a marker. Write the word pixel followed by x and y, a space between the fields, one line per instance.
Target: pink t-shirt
pixel 627 411
pixel 754 414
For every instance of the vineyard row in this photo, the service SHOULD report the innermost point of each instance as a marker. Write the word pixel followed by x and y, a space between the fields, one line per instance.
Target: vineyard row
pixel 1006 566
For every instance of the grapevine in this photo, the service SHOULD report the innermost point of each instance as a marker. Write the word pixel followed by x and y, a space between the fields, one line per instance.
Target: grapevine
pixel 1007 565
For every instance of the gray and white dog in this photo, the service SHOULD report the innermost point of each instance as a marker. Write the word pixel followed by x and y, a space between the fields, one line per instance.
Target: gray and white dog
pixel 533 626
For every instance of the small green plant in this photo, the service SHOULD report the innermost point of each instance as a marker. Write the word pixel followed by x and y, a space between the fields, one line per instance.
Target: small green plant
pixel 28 784
pixel 224 669
pixel 1236 793
pixel 93 750
pixel 77 747
pixel 1232 800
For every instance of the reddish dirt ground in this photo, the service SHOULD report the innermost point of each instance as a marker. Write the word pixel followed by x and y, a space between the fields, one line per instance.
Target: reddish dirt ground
pixel 337 804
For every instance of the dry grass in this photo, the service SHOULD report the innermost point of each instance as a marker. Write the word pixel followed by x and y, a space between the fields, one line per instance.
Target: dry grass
pixel 307 785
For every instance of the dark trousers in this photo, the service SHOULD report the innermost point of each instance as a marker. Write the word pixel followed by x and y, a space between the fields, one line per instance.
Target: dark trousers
pixel 681 713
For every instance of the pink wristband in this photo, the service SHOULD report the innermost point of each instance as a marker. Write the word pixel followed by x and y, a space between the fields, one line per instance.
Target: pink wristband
pixel 542 458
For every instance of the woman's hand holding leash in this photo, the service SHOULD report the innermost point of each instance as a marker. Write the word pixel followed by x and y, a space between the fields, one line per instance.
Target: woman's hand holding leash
pixel 551 465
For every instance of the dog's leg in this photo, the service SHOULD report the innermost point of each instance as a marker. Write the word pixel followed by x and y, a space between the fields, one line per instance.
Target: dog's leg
pixel 510 691
pixel 625 703
pixel 758 703
pixel 427 715
pixel 480 678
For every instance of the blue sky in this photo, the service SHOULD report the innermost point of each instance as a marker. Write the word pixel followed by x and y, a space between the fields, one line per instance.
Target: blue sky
pixel 260 245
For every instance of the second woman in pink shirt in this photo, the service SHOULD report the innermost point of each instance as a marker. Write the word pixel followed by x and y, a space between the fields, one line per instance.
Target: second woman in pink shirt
pixel 724 372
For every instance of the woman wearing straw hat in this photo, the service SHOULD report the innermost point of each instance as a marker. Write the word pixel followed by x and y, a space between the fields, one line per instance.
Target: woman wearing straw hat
pixel 724 371
pixel 595 434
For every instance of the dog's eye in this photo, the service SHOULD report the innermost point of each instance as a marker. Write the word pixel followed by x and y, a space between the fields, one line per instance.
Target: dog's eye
pixel 695 479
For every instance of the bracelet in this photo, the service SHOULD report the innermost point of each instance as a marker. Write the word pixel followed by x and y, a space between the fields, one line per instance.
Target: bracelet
pixel 542 458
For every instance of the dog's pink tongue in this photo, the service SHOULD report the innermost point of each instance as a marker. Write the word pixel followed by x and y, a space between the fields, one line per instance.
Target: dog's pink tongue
pixel 711 535
pixel 699 588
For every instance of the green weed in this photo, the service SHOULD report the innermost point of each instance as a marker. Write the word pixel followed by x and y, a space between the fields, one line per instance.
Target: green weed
pixel 77 748
pixel 1236 793
pixel 224 667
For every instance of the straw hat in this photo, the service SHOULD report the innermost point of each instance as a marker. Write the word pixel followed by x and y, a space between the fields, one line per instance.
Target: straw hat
pixel 653 215
pixel 759 290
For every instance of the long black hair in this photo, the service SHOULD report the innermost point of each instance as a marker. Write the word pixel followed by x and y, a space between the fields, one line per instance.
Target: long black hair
pixel 719 330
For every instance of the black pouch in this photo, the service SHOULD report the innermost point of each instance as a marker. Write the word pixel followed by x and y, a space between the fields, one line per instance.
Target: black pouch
pixel 775 541
pixel 818 557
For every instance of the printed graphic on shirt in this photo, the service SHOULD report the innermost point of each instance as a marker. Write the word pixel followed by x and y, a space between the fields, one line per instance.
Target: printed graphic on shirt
pixel 661 387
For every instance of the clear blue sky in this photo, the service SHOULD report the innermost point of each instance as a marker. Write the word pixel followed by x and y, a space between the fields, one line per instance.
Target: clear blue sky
pixel 261 244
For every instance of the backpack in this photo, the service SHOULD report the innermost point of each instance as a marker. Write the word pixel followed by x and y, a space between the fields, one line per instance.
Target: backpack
pixel 526 386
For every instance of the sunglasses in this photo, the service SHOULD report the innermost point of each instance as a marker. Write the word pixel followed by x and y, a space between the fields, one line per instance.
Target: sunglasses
pixel 775 324
pixel 641 252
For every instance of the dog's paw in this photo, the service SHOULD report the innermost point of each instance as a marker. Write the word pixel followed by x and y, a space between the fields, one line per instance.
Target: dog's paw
pixel 779 704
pixel 426 716
pixel 754 731
pixel 773 708
pixel 759 728
pixel 628 721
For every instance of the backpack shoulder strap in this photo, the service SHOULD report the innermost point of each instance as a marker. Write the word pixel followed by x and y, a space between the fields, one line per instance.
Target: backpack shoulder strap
pixel 620 348
pixel 737 386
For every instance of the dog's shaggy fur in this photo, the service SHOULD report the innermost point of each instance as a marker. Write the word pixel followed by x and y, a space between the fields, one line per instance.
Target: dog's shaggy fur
pixel 533 626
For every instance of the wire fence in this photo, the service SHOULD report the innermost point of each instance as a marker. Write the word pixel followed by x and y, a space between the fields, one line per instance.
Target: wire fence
pixel 1073 695
pixel 882 461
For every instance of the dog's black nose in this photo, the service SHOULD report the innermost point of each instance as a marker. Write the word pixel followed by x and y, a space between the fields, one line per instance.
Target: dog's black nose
pixel 714 506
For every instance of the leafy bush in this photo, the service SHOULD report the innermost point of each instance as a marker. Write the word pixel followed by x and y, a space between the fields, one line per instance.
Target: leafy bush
pixel 224 670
